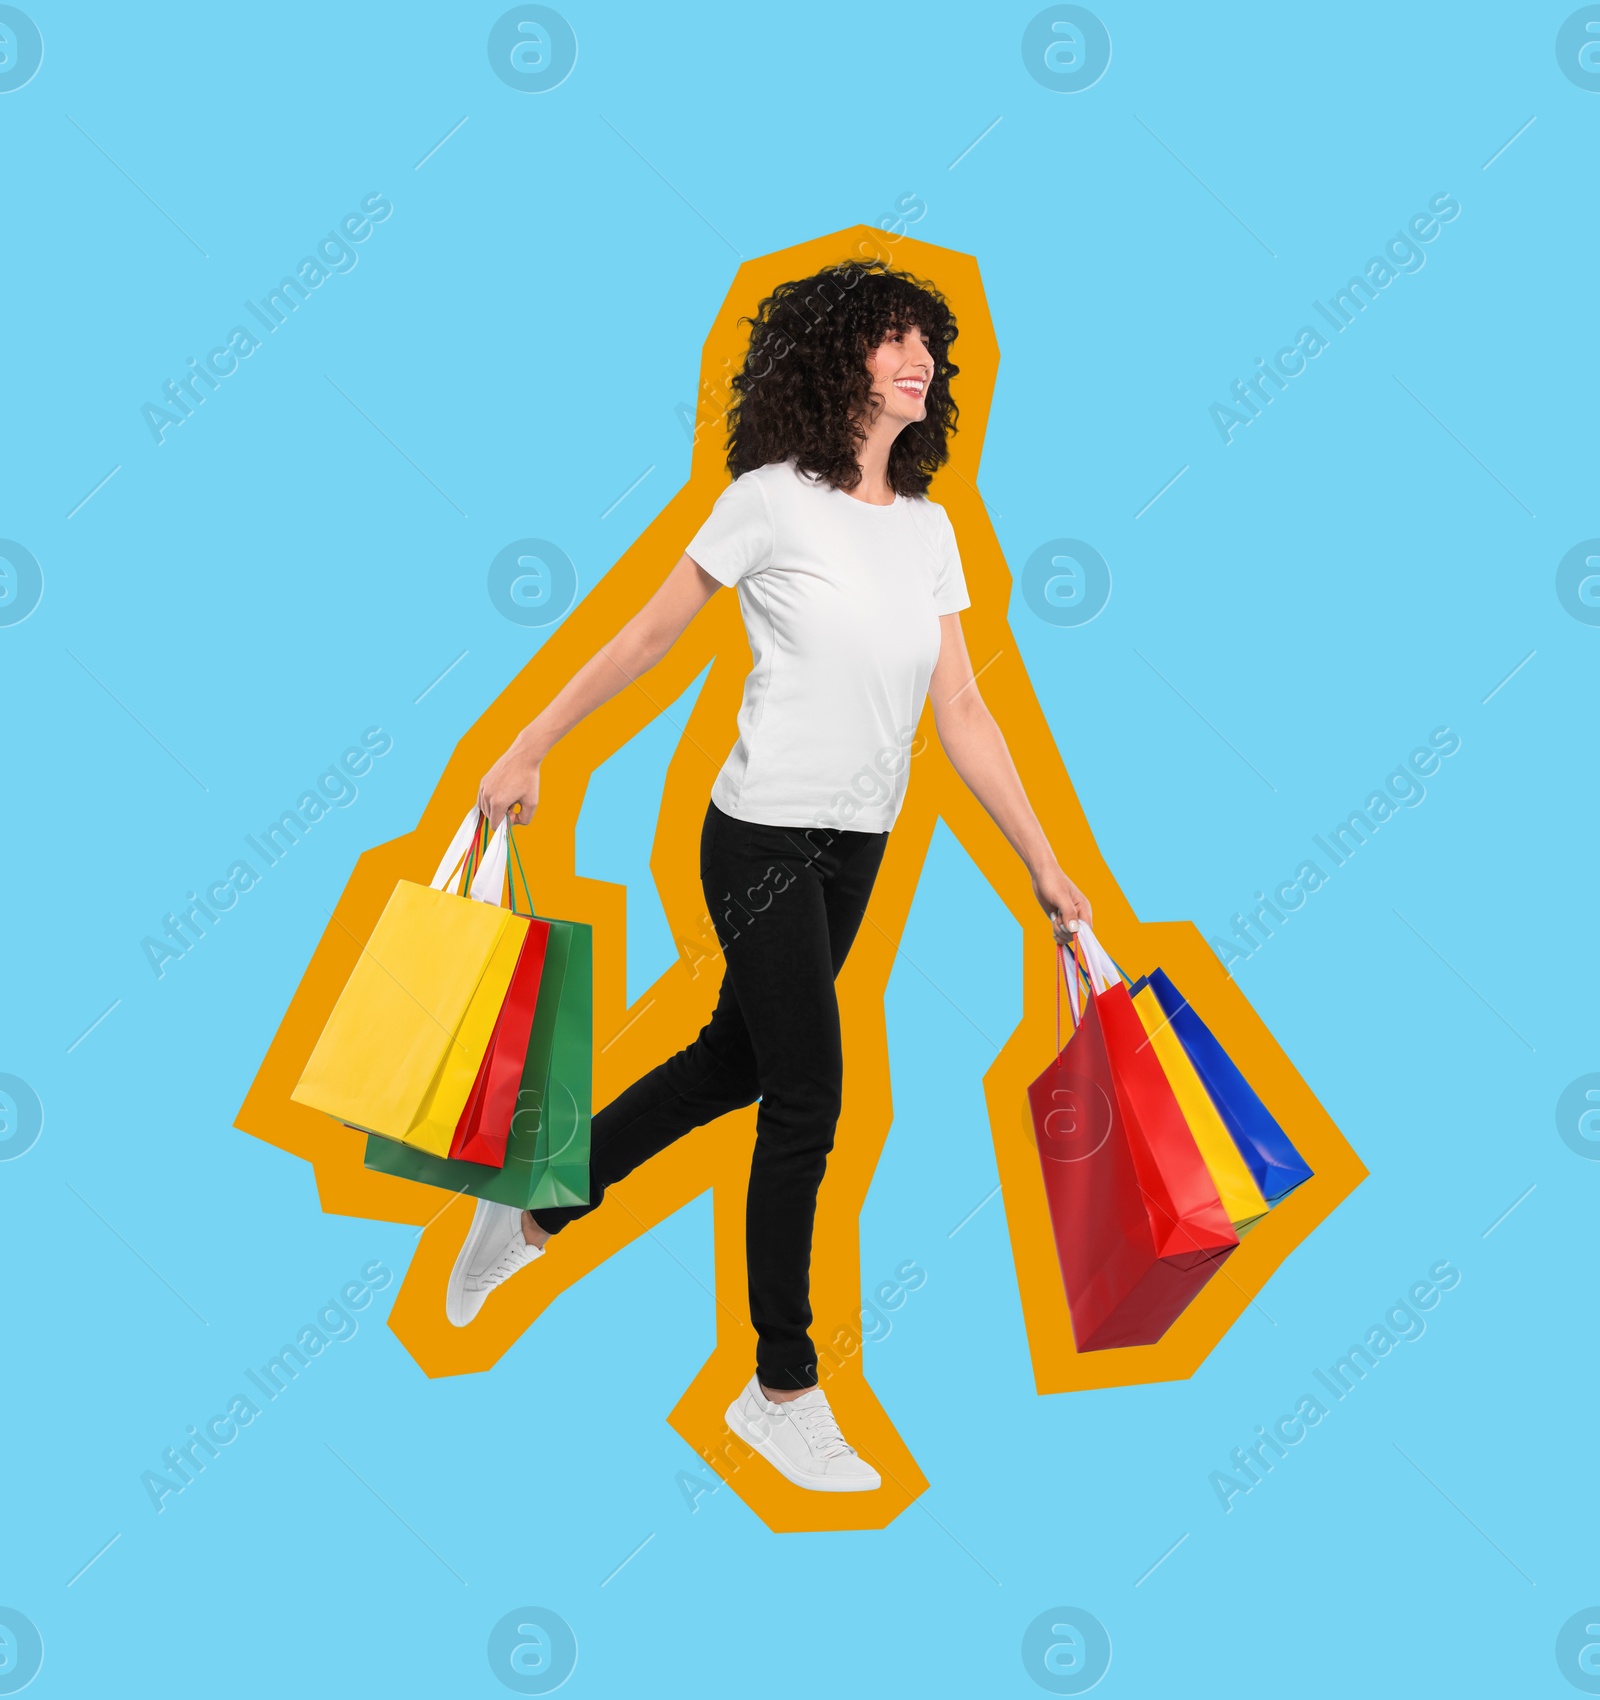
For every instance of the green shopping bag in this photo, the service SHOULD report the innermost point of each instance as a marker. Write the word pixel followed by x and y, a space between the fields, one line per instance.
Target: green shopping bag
pixel 557 1119
pixel 547 1154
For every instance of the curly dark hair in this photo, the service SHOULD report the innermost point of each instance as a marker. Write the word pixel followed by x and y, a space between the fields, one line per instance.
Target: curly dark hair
pixel 805 390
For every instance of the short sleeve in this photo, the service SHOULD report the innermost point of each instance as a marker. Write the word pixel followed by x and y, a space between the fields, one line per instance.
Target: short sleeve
pixel 950 586
pixel 736 538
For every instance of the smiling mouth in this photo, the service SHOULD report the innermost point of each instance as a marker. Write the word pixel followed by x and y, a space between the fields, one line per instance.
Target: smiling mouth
pixel 913 387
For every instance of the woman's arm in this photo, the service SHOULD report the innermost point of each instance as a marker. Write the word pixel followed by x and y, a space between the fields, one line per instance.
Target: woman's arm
pixel 514 779
pixel 977 751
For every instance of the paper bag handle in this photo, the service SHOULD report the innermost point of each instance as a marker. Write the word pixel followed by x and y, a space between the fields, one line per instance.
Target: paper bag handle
pixel 1102 970
pixel 1069 965
pixel 490 874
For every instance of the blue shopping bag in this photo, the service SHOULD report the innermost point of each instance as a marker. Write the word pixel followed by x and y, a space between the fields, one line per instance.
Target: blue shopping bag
pixel 1277 1167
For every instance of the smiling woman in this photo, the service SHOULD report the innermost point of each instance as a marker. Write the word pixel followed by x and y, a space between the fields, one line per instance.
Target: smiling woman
pixel 805 393
pixel 851 588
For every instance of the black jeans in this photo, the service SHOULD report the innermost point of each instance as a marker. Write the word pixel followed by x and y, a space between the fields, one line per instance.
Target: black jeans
pixel 785 903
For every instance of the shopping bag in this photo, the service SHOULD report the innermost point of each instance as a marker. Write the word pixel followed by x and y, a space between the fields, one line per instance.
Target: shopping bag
pixel 550 1129
pixel 1138 1223
pixel 547 1148
pixel 1241 1198
pixel 402 1045
pixel 486 1121
pixel 1272 1159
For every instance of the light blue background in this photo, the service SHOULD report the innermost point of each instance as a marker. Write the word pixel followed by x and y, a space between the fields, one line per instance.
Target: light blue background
pixel 1367 561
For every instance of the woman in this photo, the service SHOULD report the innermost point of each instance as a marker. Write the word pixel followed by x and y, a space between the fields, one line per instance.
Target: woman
pixel 850 585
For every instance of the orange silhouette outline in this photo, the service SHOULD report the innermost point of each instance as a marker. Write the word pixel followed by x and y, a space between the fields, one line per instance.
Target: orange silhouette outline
pixel 631 1040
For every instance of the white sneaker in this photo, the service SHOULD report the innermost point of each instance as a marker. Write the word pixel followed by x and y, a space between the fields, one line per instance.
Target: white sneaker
pixel 494 1250
pixel 800 1439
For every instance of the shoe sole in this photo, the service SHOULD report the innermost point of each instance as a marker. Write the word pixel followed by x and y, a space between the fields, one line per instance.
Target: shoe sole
pixel 775 1457
pixel 455 1292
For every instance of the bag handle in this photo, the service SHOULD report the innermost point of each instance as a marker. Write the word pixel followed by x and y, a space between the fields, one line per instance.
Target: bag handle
pixel 1102 969
pixel 442 879
pixel 516 856
pixel 483 864
pixel 1072 967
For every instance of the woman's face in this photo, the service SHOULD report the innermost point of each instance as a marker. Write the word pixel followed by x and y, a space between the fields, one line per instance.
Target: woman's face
pixel 902 368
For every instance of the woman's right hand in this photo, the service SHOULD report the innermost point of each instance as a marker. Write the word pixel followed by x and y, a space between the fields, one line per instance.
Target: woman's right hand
pixel 511 787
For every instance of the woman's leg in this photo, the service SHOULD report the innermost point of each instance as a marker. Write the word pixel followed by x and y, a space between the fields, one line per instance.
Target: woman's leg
pixel 708 1078
pixel 788 903
pixel 705 1080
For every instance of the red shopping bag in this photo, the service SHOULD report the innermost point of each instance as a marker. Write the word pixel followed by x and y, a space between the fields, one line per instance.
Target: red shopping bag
pixel 485 1123
pixel 1138 1225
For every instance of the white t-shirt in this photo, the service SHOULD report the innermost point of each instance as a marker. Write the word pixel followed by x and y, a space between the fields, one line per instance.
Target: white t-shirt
pixel 841 602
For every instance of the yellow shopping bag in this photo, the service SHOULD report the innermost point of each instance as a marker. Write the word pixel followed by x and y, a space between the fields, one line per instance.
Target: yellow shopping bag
pixel 403 1044
pixel 1236 1186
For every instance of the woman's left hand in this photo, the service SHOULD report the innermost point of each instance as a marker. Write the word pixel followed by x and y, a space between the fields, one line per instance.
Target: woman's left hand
pixel 1061 901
